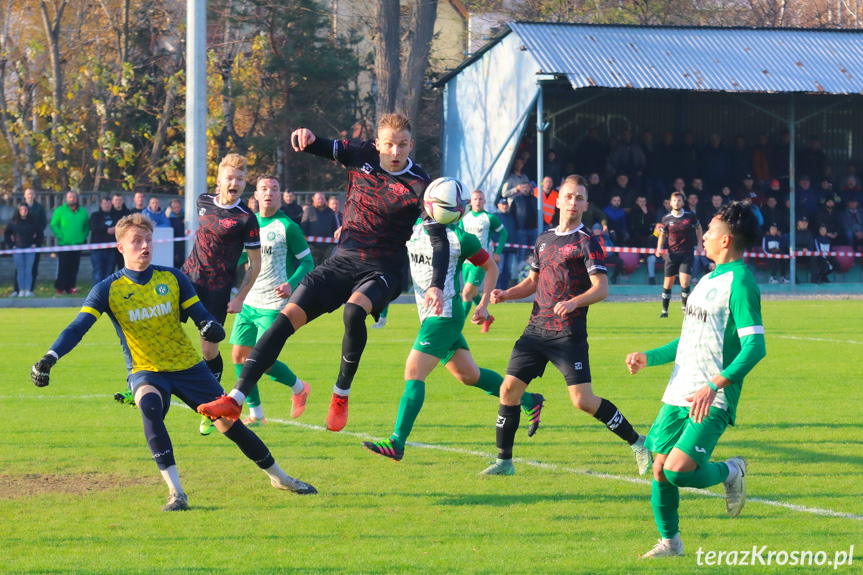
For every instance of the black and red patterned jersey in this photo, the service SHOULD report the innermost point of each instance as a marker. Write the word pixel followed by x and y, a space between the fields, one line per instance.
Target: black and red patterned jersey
pixel 565 263
pixel 680 231
pixel 223 232
pixel 381 206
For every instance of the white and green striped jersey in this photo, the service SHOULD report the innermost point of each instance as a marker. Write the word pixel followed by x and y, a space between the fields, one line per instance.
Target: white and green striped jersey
pixel 722 333
pixel 482 224
pixel 282 247
pixel 462 245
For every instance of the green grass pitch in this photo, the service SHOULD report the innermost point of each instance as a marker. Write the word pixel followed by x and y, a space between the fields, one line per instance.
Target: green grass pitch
pixel 79 492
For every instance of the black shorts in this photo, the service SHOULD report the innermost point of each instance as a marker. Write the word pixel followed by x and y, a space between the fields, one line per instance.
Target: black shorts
pixel 678 263
pixel 329 286
pixel 533 351
pixel 215 301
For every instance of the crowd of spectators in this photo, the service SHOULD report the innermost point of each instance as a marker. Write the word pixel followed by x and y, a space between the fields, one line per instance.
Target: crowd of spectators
pixel 629 184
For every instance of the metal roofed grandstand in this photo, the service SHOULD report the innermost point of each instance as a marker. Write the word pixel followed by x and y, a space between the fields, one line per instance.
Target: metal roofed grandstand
pixel 714 59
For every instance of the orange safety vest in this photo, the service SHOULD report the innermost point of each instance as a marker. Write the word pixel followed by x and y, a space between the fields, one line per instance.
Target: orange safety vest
pixel 549 204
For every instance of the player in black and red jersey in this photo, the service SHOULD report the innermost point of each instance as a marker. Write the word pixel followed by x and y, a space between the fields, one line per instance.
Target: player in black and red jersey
pixel 384 198
pixel 567 274
pixel 683 231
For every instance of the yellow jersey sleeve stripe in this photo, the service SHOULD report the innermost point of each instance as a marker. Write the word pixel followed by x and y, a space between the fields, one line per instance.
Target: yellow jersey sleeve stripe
pixel 190 302
pixel 91 311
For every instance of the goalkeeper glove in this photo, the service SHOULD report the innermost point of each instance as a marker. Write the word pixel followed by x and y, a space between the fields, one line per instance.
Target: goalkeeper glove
pixel 212 331
pixel 40 373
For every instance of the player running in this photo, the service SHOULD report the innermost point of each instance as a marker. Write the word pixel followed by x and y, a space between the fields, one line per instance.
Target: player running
pixel 144 303
pixel 683 231
pixel 567 274
pixel 285 260
pixel 479 223
pixel 365 272
pixel 440 338
pixel 721 340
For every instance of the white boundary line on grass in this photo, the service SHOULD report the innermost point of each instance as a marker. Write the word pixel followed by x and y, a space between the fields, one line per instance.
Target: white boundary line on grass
pixel 818 339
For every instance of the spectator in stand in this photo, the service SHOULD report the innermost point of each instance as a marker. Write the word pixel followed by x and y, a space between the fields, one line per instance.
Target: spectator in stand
pixel 37 215
pixel 590 155
pixel 508 256
pixel 761 154
pixel 851 189
pixel 629 158
pixel 622 188
pixel 665 167
pixel 177 218
pixel 775 242
pixel 550 211
pixel 775 189
pixel 71 225
pixel 852 222
pixel 689 158
pixel 692 203
pixel 515 181
pixel 253 205
pixel 610 149
pixel 711 209
pixel 551 167
pixel 803 240
pixel 118 212
pixel 812 160
pixel 678 185
pixel 523 210
pixel 138 200
pixel 851 172
pixel 291 208
pixel 697 187
pixel 610 257
pixel 748 193
pixel 593 215
pixel 825 190
pixel 102 231
pixel 319 221
pixel 739 160
pixel 651 183
pixel 595 190
pixel 22 232
pixel 335 204
pixel 807 199
pixel 664 209
pixel 779 163
pixel 642 223
pixel 714 163
pixel 154 212
pixel 830 218
pixel 770 212
pixel 727 196
pixel 822 265
pixel 616 218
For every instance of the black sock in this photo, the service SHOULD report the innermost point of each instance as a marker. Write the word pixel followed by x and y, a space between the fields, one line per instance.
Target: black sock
pixel 152 411
pixel 507 424
pixel 216 366
pixel 250 444
pixel 614 420
pixel 666 297
pixel 684 295
pixel 353 344
pixel 265 353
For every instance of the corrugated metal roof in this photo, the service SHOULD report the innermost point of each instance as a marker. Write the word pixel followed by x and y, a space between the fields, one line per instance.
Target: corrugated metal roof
pixel 713 59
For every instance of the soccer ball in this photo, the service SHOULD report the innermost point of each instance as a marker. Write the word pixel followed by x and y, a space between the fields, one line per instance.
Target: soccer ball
pixel 445 200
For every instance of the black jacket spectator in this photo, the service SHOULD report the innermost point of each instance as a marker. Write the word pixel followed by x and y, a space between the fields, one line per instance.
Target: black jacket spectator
pixel 99 223
pixel 23 233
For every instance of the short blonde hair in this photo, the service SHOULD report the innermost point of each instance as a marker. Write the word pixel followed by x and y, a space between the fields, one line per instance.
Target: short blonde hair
pixel 234 161
pixel 132 221
pixel 396 122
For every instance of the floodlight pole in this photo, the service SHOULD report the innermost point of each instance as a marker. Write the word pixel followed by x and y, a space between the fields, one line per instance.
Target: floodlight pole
pixel 196 109
pixel 792 189
pixel 540 159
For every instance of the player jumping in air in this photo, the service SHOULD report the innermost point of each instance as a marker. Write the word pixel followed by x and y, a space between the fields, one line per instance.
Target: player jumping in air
pixel 285 260
pixel 440 338
pixel 479 223
pixel 567 274
pixel 384 198
pixel 721 340
pixel 683 231
pixel 144 302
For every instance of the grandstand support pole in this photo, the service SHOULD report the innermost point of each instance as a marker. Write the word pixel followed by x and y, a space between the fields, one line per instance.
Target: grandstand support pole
pixel 541 127
pixel 792 226
pixel 196 110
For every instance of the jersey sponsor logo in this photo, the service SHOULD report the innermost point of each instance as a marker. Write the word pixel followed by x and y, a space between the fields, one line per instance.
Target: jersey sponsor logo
pixel 696 312
pixel 421 259
pixel 399 189
pixel 267 250
pixel 227 224
pixel 157 310
pixel 128 296
pixel 162 289
pixel 567 249
pixel 700 449
pixel 425 343
pixel 367 168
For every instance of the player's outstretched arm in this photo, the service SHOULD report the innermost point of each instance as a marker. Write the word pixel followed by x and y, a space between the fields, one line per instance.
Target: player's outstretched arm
pixel 69 338
pixel 301 139
pixel 491 272
pixel 659 242
pixel 636 362
pixel 236 304
pixel 522 290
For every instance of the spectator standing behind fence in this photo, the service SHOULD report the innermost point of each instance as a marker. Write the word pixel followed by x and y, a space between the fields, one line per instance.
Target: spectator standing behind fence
pixel 507 257
pixel 616 218
pixel 550 211
pixel 524 212
pixel 291 208
pixel 852 222
pixel 177 218
pixel 22 232
pixel 154 212
pixel 642 223
pixel 515 181
pixel 775 242
pixel 319 221
pixel 138 201
pixel 102 231
pixel 71 225
pixel 610 257
pixel 803 240
pixel 118 212
pixel 37 215
pixel 334 204
pixel 829 217
pixel 821 266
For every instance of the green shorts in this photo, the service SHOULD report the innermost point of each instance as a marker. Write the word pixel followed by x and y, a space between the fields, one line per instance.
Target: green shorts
pixel 250 325
pixel 472 274
pixel 441 337
pixel 674 428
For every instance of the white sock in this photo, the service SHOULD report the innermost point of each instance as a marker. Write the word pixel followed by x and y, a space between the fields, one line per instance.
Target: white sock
pixel 275 472
pixel 172 478
pixel 733 471
pixel 238 396
pixel 342 392
pixel 298 387
pixel 257 412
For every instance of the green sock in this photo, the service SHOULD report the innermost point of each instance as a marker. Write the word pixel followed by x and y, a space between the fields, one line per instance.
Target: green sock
pixel 665 499
pixel 409 409
pixel 466 305
pixel 477 298
pixel 490 382
pixel 253 398
pixel 704 476
pixel 283 374
pixel 386 311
